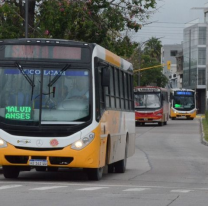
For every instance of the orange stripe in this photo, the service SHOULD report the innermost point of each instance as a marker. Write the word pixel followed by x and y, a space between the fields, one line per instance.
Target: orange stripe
pixel 112 58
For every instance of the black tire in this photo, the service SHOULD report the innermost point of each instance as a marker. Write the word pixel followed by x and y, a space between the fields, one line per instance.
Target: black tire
pixel 160 123
pixel 11 171
pixel 120 166
pixel 40 169
pixel 52 169
pixel 94 173
pixel 165 123
pixel 111 168
pixel 173 118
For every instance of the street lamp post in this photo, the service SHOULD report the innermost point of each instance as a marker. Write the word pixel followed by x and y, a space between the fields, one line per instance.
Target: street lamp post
pixel 26 18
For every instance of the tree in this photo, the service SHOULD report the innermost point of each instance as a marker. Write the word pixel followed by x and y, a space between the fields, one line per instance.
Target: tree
pixel 153 48
pixel 100 21
pixel 149 56
pixel 154 75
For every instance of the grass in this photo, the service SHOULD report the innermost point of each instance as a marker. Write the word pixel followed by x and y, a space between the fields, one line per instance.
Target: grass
pixel 205 129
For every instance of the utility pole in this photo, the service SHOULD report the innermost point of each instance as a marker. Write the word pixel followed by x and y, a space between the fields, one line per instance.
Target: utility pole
pixel 140 54
pixel 26 18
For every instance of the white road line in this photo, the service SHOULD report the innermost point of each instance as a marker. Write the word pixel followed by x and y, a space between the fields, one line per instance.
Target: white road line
pixel 136 189
pixel 9 187
pixel 48 188
pixel 181 191
pixel 92 188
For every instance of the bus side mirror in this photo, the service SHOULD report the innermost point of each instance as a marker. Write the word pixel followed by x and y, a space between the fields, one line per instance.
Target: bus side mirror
pixel 106 77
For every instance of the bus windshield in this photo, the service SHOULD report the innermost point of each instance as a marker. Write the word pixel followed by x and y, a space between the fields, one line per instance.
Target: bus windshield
pixel 33 96
pixel 147 100
pixel 183 102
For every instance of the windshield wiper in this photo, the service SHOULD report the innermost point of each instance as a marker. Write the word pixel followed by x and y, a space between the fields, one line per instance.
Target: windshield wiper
pixel 53 81
pixel 25 75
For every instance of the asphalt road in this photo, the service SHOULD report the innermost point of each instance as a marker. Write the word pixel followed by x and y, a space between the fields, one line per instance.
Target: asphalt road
pixel 170 167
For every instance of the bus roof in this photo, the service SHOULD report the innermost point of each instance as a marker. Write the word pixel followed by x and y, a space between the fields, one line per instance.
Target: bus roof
pixel 182 89
pixel 98 50
pixel 112 58
pixel 149 88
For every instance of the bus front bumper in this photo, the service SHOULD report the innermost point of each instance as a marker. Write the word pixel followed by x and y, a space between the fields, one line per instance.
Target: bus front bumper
pixel 65 157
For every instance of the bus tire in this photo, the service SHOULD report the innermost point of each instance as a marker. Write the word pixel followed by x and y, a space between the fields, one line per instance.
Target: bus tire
pixel 111 168
pixel 173 118
pixel 165 123
pixel 52 169
pixel 11 171
pixel 120 166
pixel 94 173
pixel 160 123
pixel 40 169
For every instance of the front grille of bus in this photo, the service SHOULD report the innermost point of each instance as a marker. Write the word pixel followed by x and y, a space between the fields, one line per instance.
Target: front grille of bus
pixel 38 149
pixel 60 160
pixel 17 159
pixel 40 133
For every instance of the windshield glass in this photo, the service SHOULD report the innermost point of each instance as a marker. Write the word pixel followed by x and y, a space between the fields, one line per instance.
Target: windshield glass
pixel 183 102
pixel 64 101
pixel 147 100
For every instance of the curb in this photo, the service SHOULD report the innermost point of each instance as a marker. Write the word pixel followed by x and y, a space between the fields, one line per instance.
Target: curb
pixel 203 141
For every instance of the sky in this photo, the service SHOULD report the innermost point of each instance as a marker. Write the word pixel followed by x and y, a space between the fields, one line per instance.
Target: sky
pixel 169 19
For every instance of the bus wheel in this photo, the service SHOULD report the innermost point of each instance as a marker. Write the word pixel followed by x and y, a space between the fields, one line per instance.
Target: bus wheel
pixel 111 168
pixel 94 173
pixel 11 171
pixel 173 118
pixel 165 123
pixel 120 166
pixel 160 123
pixel 52 169
pixel 40 169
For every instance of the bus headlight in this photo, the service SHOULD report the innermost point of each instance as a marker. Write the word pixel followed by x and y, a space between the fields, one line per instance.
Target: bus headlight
pixel 83 142
pixel 2 143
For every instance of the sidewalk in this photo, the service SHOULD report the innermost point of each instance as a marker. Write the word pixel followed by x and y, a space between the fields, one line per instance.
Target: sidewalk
pixel 200 116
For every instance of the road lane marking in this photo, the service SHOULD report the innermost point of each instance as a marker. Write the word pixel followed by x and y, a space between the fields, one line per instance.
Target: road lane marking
pixel 181 191
pixel 92 188
pixel 136 189
pixel 9 186
pixel 48 188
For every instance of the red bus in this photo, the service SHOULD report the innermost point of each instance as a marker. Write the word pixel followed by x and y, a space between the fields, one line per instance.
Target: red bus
pixel 151 105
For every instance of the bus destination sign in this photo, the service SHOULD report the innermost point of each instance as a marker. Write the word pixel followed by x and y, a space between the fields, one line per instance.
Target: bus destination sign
pixel 18 113
pixel 185 93
pixel 146 89
pixel 42 52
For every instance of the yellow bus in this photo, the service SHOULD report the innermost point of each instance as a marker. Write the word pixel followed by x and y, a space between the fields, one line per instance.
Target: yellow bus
pixel 182 103
pixel 64 104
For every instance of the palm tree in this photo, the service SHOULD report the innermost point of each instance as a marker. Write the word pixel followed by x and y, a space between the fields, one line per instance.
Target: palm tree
pixel 153 48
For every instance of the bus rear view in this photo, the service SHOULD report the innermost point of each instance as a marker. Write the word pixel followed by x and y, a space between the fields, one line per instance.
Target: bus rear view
pixel 151 105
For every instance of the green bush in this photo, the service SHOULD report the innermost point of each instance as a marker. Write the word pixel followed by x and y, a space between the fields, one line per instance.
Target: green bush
pixel 206 116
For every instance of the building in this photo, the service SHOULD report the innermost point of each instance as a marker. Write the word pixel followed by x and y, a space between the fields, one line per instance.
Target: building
pixel 169 52
pixel 179 68
pixel 195 62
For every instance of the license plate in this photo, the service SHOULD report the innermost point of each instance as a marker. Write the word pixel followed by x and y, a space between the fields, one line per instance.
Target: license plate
pixel 145 119
pixel 35 162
